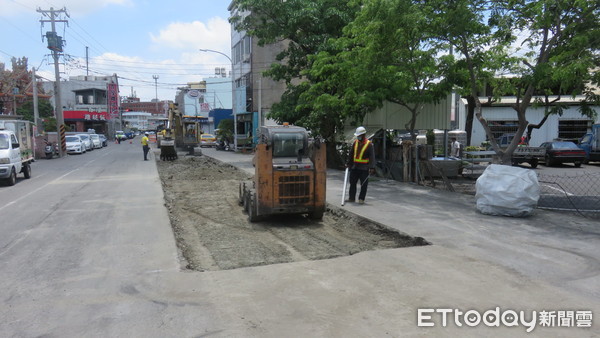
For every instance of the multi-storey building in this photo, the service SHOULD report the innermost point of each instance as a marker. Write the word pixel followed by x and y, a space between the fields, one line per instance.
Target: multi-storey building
pixel 254 94
pixel 89 102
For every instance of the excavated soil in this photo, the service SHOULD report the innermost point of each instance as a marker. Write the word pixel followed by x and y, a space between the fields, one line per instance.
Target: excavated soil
pixel 213 232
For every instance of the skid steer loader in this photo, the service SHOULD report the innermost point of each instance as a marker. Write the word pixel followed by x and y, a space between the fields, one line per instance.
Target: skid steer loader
pixel 290 175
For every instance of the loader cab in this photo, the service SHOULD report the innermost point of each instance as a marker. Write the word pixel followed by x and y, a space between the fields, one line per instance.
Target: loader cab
pixel 289 144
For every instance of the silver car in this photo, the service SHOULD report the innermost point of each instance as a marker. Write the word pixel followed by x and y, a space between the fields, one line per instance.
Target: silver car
pixel 96 142
pixel 75 145
pixel 87 141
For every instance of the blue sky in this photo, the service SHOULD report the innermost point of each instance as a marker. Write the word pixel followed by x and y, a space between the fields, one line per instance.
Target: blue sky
pixel 135 39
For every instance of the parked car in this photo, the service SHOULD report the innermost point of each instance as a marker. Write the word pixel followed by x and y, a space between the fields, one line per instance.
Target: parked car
pixel 558 152
pixel 96 143
pixel 75 144
pixel 103 139
pixel 208 140
pixel 505 139
pixel 87 141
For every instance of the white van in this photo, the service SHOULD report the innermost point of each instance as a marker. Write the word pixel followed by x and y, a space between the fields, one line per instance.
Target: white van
pixel 16 150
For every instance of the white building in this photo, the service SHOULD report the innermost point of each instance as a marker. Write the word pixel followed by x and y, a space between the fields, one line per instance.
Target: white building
pixel 218 90
pixel 138 120
pixel 502 119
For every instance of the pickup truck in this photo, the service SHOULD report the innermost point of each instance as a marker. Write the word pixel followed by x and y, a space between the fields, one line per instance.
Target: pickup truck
pixel 530 155
pixel 16 150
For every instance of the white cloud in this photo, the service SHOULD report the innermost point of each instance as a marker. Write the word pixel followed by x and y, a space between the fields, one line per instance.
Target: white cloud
pixel 74 7
pixel 215 34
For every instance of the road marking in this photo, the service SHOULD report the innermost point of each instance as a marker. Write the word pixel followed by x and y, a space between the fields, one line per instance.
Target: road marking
pixel 38 189
pixel 557 189
pixel 52 182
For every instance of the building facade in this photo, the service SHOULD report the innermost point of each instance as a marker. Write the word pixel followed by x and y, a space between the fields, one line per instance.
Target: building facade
pixel 89 102
pixel 218 90
pixel 254 94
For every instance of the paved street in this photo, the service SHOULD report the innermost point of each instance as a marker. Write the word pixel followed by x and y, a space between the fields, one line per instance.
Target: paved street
pixel 87 250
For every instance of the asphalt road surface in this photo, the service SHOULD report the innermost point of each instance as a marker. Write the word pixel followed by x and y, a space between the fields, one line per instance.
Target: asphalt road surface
pixel 86 249
pixel 70 250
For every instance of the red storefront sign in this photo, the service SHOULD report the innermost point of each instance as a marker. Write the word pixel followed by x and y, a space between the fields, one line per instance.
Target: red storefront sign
pixel 112 94
pixel 85 115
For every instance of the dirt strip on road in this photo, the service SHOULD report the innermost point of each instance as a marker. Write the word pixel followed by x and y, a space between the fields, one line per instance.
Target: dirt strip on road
pixel 213 232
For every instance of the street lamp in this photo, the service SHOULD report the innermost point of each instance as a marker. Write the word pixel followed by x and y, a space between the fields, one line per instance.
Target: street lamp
pixel 155 77
pixel 235 147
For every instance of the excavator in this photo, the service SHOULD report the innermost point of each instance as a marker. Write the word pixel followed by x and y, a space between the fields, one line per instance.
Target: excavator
pixel 181 132
pixel 289 175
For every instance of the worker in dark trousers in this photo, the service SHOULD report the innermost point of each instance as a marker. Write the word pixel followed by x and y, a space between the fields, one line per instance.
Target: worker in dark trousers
pixel 361 163
pixel 145 146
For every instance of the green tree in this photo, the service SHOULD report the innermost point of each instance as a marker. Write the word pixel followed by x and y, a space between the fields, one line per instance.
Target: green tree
pixel 44 108
pixel 560 45
pixel 385 54
pixel 225 129
pixel 394 58
pixel 304 25
pixel 305 28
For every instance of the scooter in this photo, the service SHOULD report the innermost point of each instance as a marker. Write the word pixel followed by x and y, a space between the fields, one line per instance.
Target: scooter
pixel 222 145
pixel 50 150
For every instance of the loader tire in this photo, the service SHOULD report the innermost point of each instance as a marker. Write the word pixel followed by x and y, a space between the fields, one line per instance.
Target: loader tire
pixel 316 215
pixel 241 194
pixel 252 212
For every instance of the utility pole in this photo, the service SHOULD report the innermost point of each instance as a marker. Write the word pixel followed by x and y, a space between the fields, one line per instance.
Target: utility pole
pixel 87 62
pixel 15 91
pixel 36 110
pixel 55 44
pixel 155 77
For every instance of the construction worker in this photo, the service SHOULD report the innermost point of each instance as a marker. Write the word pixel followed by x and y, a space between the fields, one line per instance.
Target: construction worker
pixel 361 163
pixel 145 146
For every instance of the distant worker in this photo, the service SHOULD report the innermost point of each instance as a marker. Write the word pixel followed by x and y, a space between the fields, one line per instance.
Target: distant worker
pixel 361 163
pixel 523 142
pixel 455 148
pixel 145 146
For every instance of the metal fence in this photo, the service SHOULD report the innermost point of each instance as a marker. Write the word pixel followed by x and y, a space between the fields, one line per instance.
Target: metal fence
pixel 575 193
pixel 578 193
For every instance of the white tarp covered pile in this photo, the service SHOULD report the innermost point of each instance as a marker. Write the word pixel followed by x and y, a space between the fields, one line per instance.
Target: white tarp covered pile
pixel 507 191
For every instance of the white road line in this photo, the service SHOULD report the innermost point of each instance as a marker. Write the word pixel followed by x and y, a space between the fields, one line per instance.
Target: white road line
pixel 51 182
pixel 38 189
pixel 557 189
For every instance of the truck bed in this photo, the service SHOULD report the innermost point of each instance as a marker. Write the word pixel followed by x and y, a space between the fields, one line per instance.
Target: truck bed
pixel 529 152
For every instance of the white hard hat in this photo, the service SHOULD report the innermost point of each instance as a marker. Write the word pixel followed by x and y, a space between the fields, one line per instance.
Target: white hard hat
pixel 360 131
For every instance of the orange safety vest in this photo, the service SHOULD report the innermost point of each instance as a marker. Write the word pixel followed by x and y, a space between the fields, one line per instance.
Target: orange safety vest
pixel 358 156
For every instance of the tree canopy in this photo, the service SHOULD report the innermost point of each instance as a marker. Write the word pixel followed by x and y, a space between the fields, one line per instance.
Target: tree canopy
pixel 344 58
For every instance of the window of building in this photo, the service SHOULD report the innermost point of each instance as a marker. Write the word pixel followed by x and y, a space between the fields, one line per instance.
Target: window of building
pixel 503 128
pixel 573 130
pixel 247 45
